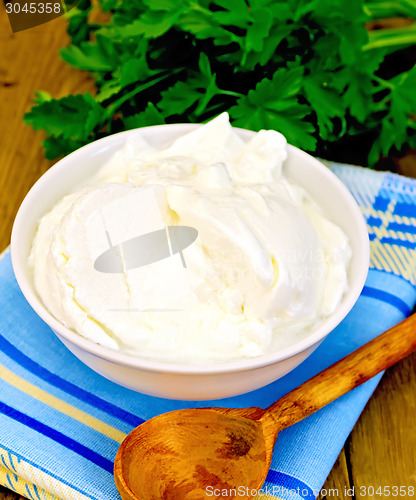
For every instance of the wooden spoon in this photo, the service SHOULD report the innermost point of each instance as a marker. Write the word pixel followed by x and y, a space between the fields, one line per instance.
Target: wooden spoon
pixel 186 454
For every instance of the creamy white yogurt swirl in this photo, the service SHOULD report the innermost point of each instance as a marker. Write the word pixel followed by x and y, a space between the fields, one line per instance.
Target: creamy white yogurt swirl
pixel 267 265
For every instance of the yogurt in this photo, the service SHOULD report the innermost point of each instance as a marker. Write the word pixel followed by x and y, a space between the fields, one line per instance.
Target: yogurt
pixel 199 251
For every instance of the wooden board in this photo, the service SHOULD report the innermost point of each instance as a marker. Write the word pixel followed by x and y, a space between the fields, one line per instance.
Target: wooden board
pixel 381 450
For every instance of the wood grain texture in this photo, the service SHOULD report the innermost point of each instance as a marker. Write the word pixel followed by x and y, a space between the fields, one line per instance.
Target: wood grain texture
pixel 391 412
pixel 381 448
pixel 187 451
pixel 29 61
pixel 8 495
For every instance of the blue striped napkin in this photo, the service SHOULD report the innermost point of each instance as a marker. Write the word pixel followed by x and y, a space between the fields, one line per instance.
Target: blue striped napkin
pixel 61 424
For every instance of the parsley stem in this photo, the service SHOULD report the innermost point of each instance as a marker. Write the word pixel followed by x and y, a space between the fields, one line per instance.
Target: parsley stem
pixel 214 109
pixel 199 8
pixel 116 104
pixel 384 83
pixel 230 92
pixel 391 37
pixel 380 10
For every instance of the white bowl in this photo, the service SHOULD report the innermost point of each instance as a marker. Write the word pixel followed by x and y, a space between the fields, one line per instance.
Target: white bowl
pixel 170 380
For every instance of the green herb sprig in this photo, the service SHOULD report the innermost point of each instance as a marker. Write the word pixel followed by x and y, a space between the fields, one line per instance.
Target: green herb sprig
pixel 307 68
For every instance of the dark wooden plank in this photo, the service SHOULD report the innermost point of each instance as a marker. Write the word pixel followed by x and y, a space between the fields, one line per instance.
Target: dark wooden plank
pixel 8 495
pixel 383 442
pixel 29 61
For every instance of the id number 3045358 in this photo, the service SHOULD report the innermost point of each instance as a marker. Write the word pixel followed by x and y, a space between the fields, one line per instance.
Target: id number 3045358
pixel 33 8
pixel 387 491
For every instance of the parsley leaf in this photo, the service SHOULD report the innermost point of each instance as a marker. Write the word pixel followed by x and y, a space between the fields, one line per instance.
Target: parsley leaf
pixel 275 104
pixel 326 102
pixel 59 146
pixel 397 125
pixel 150 116
pixel 97 56
pixel 71 117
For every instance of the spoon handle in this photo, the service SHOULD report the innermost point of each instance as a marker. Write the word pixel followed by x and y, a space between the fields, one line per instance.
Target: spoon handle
pixel 348 373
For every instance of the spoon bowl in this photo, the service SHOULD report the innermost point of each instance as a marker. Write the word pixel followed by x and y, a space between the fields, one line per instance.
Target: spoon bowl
pixel 228 448
pixel 227 452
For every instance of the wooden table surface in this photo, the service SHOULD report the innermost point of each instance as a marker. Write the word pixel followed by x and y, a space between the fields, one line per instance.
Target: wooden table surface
pixel 381 450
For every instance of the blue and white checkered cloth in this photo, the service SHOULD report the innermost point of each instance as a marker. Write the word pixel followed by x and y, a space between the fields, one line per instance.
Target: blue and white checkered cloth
pixel 61 424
